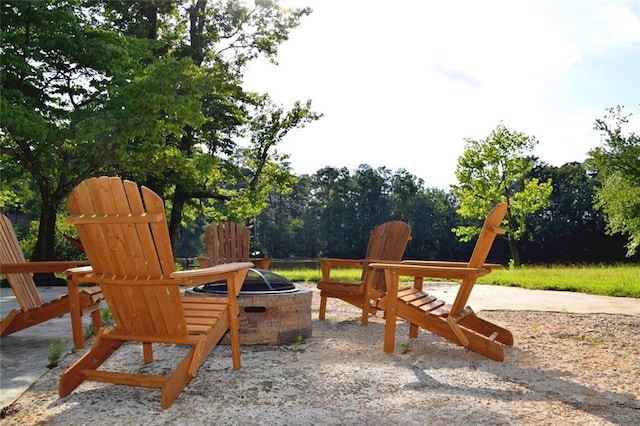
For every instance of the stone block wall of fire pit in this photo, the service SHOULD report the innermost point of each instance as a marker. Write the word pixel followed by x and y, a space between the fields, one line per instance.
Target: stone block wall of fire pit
pixel 273 319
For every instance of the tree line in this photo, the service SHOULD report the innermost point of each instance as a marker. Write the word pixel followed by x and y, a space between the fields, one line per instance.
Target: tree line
pixel 331 213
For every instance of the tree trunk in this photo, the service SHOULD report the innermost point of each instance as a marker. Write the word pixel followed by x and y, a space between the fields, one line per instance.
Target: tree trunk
pixel 515 256
pixel 176 217
pixel 44 248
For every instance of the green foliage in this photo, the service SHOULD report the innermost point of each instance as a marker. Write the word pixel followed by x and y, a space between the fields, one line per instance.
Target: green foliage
pixel 298 343
pixel 493 170
pixel 56 348
pixel 569 229
pixel 106 317
pixel 63 248
pixel 153 94
pixel 617 164
pixel 89 332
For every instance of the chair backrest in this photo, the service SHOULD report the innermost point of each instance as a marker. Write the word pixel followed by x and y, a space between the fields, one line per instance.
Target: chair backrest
pixel 387 242
pixel 124 232
pixel 23 286
pixel 227 242
pixel 490 229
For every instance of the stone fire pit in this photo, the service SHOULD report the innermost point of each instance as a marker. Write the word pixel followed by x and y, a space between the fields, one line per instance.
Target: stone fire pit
pixel 273 311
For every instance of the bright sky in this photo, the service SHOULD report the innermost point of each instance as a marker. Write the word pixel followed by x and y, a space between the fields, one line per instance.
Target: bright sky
pixel 401 83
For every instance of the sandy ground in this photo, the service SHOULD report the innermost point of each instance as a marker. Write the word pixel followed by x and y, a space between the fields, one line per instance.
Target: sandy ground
pixel 564 368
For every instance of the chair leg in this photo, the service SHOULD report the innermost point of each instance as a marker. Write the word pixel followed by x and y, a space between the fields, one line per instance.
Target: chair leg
pixel 413 331
pixel 364 320
pixel 176 382
pixel 323 306
pixel 6 322
pixel 96 319
pixel 147 352
pixel 100 351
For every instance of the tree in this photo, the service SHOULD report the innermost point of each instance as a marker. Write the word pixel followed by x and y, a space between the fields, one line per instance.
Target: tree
pixel 617 164
pixel 150 91
pixel 570 229
pixel 71 100
pixel 495 169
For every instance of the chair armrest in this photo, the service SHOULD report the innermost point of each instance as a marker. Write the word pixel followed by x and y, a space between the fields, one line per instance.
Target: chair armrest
pixel 261 262
pixel 80 270
pixel 341 263
pixel 326 263
pixel 199 276
pixel 447 264
pixel 38 267
pixel 203 261
pixel 423 271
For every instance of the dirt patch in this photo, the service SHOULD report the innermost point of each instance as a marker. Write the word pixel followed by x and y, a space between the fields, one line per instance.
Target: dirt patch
pixel 564 369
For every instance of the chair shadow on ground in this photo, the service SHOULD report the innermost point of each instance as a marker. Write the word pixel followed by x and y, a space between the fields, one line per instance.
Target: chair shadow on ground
pixel 511 382
pixel 441 367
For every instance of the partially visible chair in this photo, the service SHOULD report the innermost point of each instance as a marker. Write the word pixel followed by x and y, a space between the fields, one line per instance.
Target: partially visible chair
pixel 124 232
pixel 230 242
pixel 387 243
pixel 33 310
pixel 456 322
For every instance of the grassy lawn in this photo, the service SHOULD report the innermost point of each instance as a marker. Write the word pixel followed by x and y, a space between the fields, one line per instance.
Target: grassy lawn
pixel 620 280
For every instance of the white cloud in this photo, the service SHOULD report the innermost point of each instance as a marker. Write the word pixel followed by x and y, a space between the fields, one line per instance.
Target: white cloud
pixel 621 24
pixel 402 83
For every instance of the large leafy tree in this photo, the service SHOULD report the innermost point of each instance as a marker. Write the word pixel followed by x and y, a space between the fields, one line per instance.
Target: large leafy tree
pixel 495 169
pixel 210 172
pixel 149 90
pixel 617 163
pixel 72 100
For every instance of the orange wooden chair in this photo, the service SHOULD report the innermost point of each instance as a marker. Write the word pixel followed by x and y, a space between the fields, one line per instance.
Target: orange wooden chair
pixel 457 322
pixel 387 243
pixel 33 310
pixel 124 232
pixel 229 242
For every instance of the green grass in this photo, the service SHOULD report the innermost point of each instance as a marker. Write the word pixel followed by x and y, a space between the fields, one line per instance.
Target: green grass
pixel 619 280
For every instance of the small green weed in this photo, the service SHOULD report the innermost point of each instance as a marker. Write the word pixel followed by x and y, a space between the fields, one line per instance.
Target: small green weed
pixel 56 347
pixel 106 317
pixel 593 341
pixel 298 343
pixel 89 332
pixel 536 328
pixel 405 347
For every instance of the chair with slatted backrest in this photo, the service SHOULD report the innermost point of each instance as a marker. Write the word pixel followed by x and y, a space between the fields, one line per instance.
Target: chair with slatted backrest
pixel 33 310
pixel 124 232
pixel 455 322
pixel 387 243
pixel 228 242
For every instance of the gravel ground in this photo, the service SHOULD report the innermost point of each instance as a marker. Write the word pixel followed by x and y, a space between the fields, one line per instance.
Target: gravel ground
pixel 581 369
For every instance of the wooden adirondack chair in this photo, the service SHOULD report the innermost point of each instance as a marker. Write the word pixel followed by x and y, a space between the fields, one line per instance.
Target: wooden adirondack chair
pixel 229 242
pixel 124 232
pixel 387 243
pixel 33 310
pixel 454 322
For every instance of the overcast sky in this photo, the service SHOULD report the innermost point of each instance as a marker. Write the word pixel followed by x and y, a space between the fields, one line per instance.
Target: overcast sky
pixel 402 83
